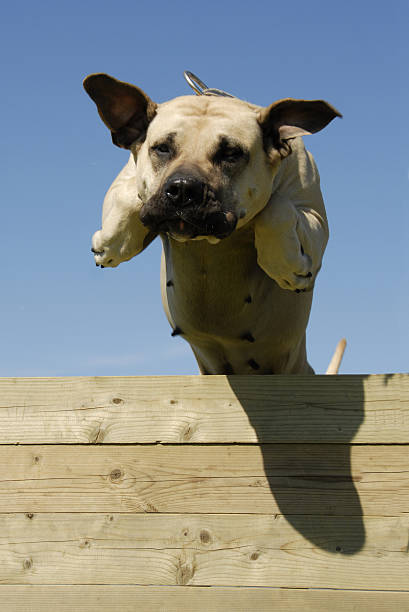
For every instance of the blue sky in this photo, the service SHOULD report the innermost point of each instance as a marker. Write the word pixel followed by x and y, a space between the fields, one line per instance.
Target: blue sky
pixel 60 315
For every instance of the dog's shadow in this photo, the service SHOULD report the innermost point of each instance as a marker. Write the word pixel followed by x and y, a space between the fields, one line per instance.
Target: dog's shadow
pixel 304 426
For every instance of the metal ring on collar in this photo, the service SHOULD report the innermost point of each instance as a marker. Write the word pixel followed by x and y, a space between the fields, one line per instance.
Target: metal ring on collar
pixel 195 83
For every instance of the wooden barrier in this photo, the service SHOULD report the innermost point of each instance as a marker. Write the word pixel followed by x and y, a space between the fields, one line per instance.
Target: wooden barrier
pixel 228 493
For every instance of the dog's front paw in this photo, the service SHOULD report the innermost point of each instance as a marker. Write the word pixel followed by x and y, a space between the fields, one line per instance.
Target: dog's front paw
pixel 299 277
pixel 108 252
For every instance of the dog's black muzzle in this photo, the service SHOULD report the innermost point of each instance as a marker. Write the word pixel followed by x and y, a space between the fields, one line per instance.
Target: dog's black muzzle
pixel 182 191
pixel 187 207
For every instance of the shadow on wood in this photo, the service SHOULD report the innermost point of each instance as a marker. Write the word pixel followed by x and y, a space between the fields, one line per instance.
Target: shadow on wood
pixel 310 480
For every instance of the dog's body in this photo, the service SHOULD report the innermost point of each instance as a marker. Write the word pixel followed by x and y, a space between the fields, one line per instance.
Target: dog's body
pixel 240 214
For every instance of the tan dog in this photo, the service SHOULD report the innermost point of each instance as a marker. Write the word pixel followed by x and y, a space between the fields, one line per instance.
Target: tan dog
pixel 235 198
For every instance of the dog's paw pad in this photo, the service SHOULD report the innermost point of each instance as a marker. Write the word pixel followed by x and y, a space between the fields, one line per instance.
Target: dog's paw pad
pixel 104 258
pixel 299 283
pixel 105 254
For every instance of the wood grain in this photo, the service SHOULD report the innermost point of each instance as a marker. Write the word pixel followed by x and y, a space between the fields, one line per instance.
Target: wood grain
pixel 283 478
pixel 113 488
pixel 195 599
pixel 224 550
pixel 205 409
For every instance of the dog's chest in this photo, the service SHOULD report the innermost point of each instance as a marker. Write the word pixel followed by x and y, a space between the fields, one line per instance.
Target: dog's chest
pixel 215 290
pixel 236 318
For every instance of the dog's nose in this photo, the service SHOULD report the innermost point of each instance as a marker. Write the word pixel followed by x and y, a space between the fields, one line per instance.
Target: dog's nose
pixel 183 191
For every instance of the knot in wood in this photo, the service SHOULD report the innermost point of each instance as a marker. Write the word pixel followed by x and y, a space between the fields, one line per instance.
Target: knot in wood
pixel 184 573
pixel 256 483
pixel 115 474
pixel 28 563
pixel 205 537
pixel 117 400
pixel 98 435
pixel 150 508
pixel 255 556
pixel 188 432
pixel 29 515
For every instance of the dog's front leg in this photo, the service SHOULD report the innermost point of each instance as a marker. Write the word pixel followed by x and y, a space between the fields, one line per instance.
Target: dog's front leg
pixel 122 235
pixel 290 243
pixel 291 232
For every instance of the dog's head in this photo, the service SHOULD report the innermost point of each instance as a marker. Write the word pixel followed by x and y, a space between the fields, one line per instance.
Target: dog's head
pixel 205 164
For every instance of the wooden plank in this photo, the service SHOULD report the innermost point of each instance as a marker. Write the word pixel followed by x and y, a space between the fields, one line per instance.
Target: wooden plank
pixel 176 599
pixel 200 550
pixel 205 409
pixel 282 478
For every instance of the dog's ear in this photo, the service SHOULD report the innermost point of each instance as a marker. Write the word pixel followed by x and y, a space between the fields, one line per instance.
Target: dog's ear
pixel 289 118
pixel 125 109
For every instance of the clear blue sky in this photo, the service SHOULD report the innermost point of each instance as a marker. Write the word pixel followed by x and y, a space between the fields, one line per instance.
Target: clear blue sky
pixel 60 315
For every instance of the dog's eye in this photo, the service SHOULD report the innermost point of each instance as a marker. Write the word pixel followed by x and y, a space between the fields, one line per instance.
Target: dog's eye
pixel 229 154
pixel 162 148
pixel 232 155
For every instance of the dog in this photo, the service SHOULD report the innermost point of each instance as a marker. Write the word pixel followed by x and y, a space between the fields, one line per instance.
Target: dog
pixel 235 198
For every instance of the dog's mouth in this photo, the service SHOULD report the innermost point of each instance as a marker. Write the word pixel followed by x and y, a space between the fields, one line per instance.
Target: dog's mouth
pixel 187 226
pixel 197 219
